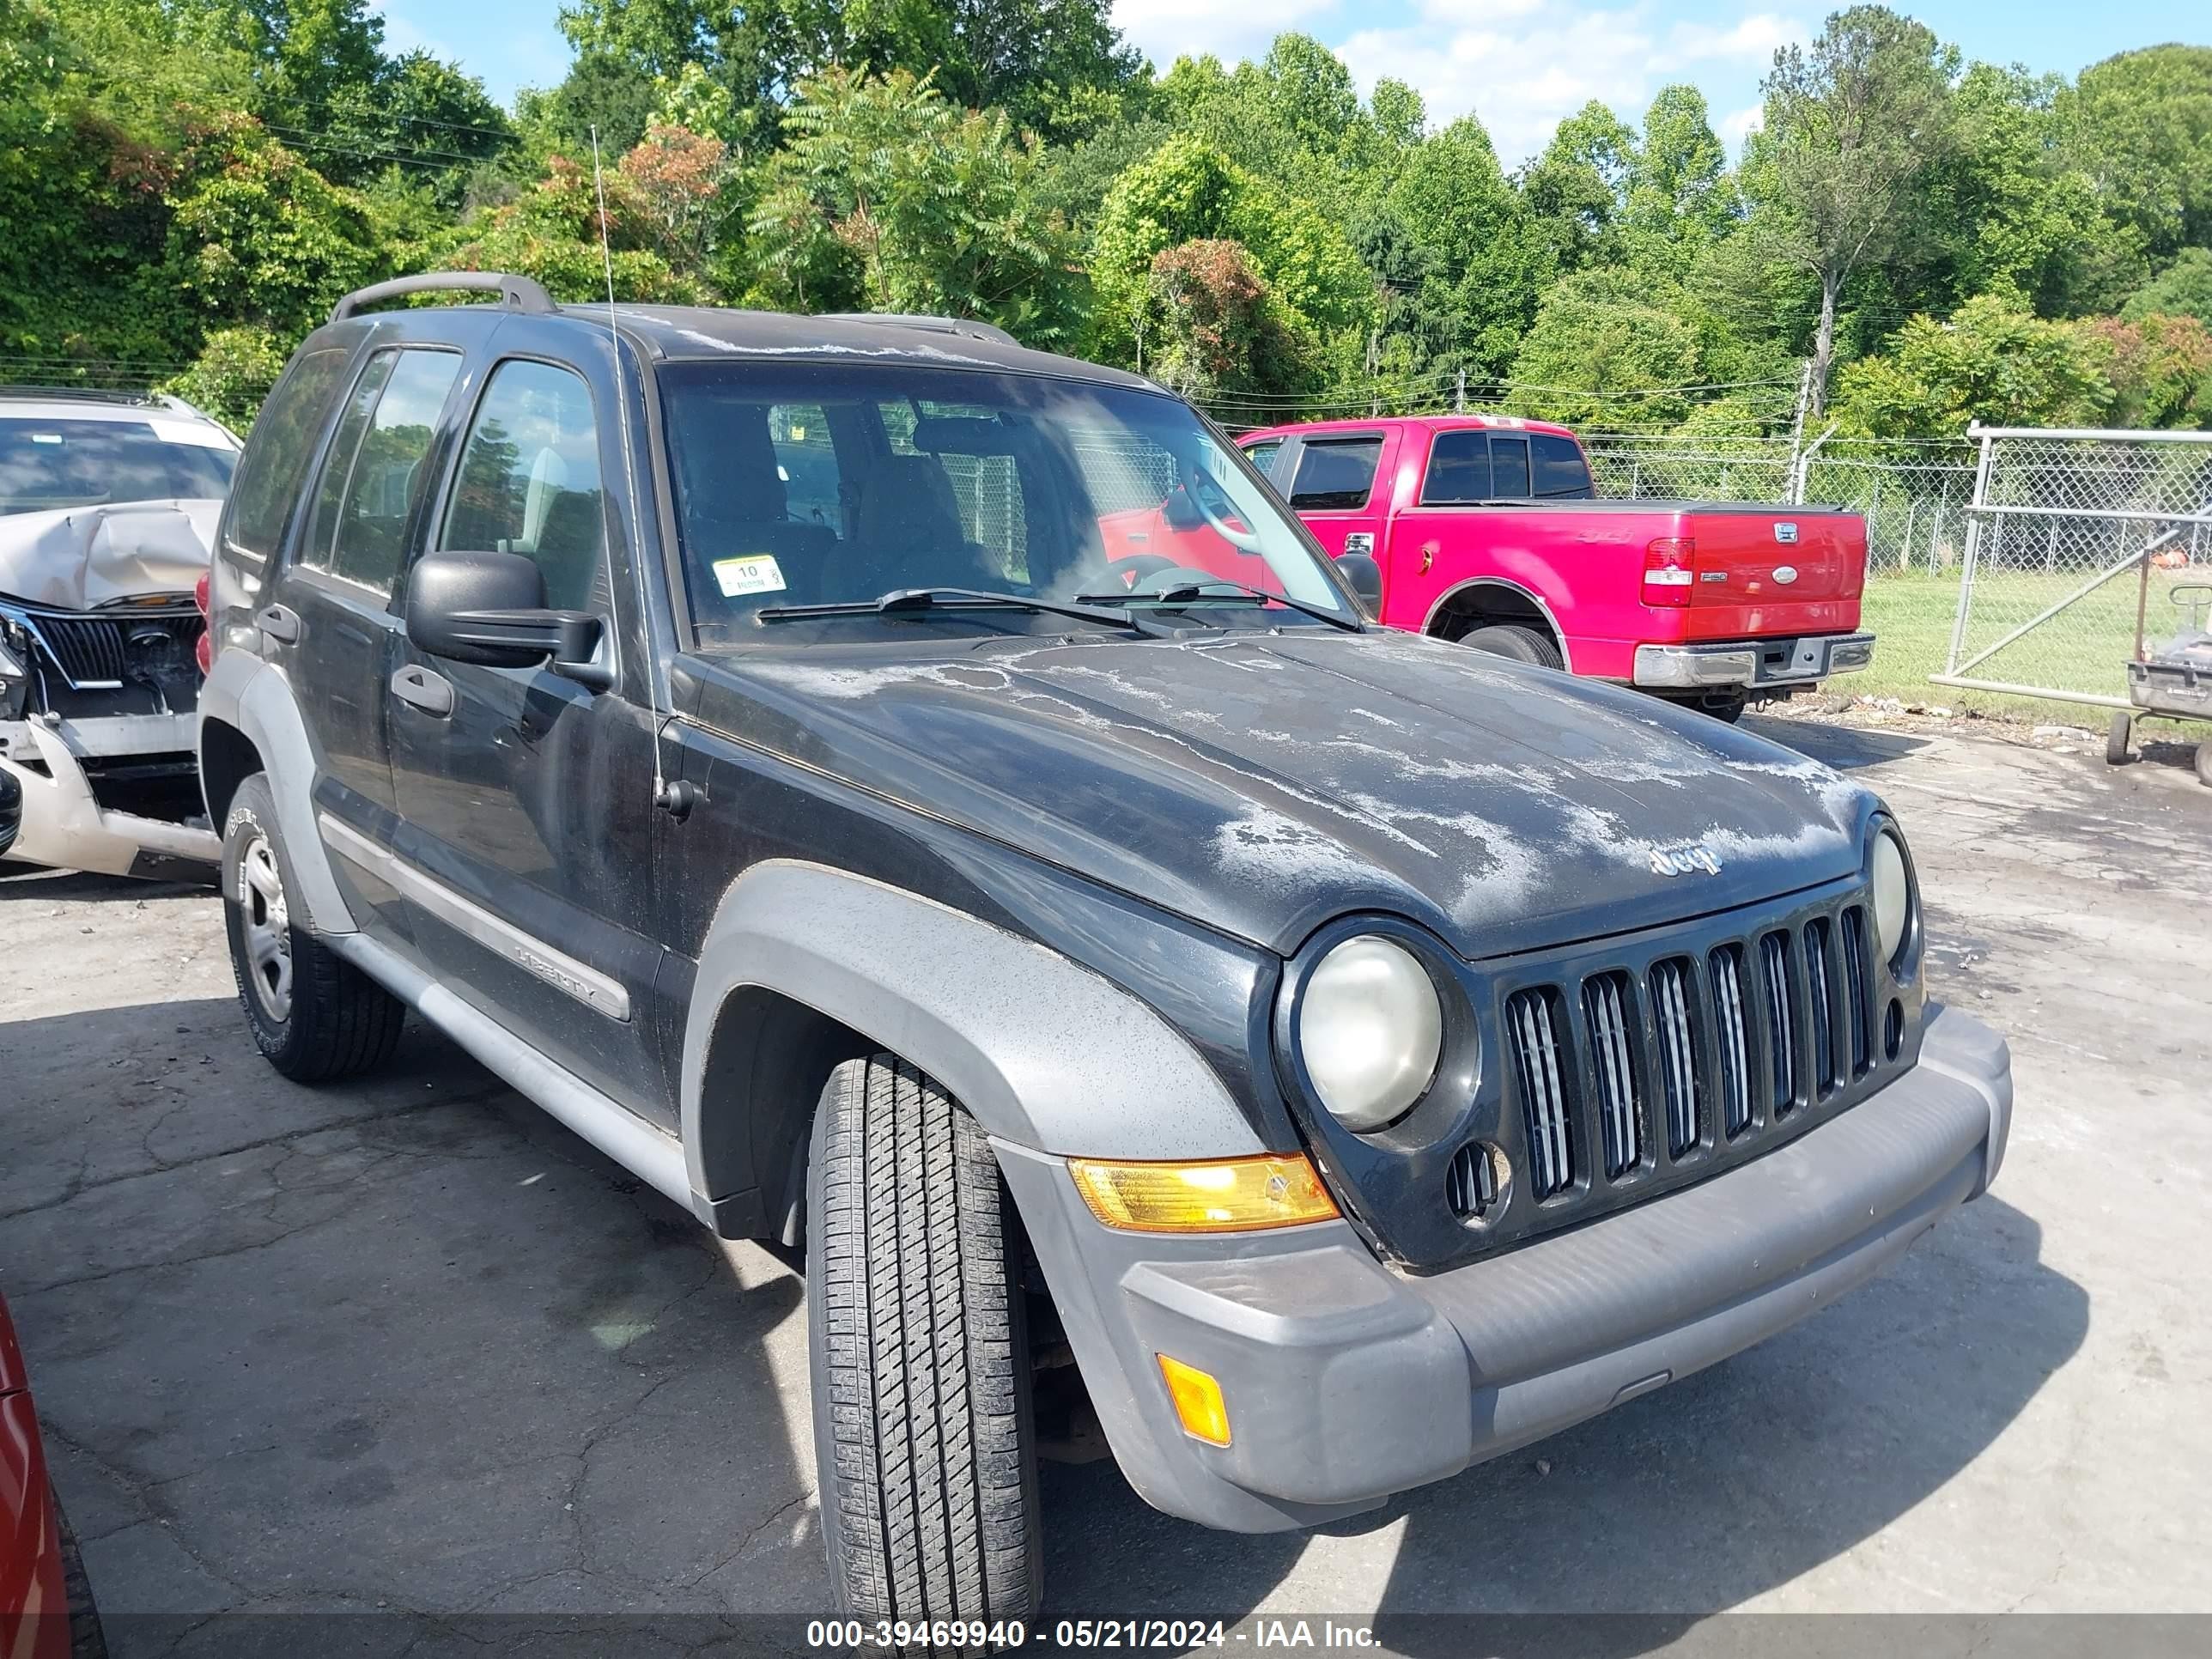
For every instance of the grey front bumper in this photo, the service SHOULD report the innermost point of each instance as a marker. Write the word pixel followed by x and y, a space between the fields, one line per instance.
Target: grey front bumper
pixel 1348 1381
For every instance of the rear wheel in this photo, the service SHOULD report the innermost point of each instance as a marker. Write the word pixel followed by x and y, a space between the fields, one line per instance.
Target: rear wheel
pixel 1514 640
pixel 314 1016
pixel 924 1439
pixel 2116 738
pixel 2204 764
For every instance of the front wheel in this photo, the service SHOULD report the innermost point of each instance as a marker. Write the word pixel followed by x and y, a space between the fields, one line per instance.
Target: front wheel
pixel 924 1440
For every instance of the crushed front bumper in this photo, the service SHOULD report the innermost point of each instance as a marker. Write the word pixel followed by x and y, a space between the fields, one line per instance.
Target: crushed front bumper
pixel 62 825
pixel 1752 664
pixel 1346 1382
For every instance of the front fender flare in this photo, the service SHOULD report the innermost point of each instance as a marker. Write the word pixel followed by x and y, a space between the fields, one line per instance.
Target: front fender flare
pixel 1042 1052
pixel 255 699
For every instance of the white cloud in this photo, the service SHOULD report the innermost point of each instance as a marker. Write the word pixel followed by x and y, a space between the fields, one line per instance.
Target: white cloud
pixel 1735 129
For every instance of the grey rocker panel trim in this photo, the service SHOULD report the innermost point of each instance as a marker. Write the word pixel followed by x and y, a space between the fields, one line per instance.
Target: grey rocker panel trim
pixel 557 969
pixel 1044 1053
pixel 252 695
pixel 651 1154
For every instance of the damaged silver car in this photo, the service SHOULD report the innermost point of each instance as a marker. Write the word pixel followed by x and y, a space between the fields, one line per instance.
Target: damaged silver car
pixel 107 508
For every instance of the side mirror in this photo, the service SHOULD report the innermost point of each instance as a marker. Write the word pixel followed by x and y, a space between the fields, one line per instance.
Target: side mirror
pixel 489 609
pixel 1365 576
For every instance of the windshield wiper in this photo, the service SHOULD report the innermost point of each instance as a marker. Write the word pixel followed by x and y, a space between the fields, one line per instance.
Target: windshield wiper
pixel 1184 592
pixel 900 600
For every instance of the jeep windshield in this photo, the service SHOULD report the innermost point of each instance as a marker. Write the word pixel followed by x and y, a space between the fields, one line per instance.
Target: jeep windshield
pixel 815 492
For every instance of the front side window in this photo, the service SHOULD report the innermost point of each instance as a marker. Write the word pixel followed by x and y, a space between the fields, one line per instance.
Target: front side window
pixel 1459 469
pixel 370 481
pixel 529 480
pixel 1337 475
pixel 1011 484
pixel 48 463
pixel 1561 472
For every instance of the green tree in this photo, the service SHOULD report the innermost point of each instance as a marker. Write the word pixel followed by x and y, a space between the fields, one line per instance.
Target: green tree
pixel 1187 190
pixel 232 374
pixel 1675 192
pixel 1213 327
pixel 1600 356
pixel 2140 125
pixel 2184 288
pixel 885 198
pixel 1993 360
pixel 1852 127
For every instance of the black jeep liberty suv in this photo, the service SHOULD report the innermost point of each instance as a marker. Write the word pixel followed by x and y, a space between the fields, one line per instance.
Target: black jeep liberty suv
pixel 1361 1055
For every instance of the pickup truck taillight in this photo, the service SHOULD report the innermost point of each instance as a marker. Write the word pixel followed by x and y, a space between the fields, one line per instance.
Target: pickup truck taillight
pixel 1668 569
pixel 203 652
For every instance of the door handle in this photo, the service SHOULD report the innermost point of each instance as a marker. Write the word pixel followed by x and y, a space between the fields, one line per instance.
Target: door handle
pixel 419 688
pixel 280 622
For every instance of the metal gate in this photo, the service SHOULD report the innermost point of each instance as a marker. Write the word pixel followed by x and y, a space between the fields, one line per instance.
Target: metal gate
pixel 2073 540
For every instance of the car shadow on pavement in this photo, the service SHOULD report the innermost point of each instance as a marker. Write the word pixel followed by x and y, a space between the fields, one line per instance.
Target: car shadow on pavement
pixel 1846 748
pixel 1682 1504
pixel 31 882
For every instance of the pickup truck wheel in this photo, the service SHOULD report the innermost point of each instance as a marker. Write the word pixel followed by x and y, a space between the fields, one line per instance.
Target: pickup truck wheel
pixel 924 1440
pixel 1522 644
pixel 313 1015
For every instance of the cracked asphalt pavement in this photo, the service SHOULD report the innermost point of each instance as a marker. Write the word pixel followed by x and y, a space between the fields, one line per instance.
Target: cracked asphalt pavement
pixel 407 1345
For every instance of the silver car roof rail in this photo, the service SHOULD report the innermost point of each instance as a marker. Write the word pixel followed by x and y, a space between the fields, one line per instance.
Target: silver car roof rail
pixel 967 325
pixel 516 292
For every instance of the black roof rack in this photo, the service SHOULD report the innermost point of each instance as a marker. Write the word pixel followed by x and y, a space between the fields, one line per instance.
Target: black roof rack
pixel 515 293
pixel 963 326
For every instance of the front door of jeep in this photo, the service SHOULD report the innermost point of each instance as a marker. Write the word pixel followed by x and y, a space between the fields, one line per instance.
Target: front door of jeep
pixel 525 839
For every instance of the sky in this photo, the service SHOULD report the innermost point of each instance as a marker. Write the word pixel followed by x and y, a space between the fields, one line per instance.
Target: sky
pixel 1519 64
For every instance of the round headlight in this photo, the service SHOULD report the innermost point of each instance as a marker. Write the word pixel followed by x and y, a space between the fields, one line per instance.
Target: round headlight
pixel 1893 895
pixel 1370 1029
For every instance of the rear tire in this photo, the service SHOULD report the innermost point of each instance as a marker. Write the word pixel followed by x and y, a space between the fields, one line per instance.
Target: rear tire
pixel 2116 738
pixel 2204 764
pixel 314 1016
pixel 924 1440
pixel 1522 644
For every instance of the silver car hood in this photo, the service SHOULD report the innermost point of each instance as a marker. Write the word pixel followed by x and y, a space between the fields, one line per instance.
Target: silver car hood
pixel 79 558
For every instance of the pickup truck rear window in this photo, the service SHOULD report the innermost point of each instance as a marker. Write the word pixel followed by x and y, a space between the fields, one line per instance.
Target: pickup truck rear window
pixel 1336 474
pixel 1459 469
pixel 1561 472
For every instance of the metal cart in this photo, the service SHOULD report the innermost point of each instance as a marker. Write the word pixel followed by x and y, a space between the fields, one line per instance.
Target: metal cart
pixel 2174 680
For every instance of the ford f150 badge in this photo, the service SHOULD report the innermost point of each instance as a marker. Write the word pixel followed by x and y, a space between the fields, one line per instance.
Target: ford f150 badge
pixel 1681 861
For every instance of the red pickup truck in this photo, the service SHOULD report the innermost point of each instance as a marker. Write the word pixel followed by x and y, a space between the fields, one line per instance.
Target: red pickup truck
pixel 1486 530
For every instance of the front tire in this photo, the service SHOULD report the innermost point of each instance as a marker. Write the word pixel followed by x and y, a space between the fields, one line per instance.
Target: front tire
pixel 2116 738
pixel 314 1016
pixel 924 1440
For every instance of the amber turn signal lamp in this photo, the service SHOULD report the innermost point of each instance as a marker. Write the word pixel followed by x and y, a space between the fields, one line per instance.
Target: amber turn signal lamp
pixel 1198 1402
pixel 1227 1195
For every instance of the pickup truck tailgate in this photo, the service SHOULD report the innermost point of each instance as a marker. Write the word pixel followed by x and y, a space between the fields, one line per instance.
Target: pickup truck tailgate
pixel 1766 570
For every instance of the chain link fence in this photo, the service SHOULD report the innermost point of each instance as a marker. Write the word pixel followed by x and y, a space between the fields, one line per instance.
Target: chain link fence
pixel 1914 497
pixel 2077 543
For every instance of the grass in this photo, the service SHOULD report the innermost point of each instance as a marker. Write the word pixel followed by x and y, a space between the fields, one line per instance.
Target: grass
pixel 2084 648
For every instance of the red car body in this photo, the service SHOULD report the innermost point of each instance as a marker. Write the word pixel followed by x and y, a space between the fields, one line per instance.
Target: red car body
pixel 1484 521
pixel 34 1610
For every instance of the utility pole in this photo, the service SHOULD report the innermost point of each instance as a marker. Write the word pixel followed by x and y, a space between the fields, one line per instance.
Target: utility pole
pixel 1459 394
pixel 1374 368
pixel 1797 424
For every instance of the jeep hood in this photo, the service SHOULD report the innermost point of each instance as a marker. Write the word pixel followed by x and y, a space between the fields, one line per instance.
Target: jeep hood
pixel 1264 784
pixel 78 558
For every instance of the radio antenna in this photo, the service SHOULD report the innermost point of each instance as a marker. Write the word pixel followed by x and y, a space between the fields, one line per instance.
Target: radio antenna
pixel 663 795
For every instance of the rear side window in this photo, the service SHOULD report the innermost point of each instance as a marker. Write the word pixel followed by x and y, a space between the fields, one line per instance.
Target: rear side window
pixel 1262 455
pixel 1561 472
pixel 1509 467
pixel 274 469
pixel 1337 475
pixel 375 467
pixel 530 480
pixel 1459 469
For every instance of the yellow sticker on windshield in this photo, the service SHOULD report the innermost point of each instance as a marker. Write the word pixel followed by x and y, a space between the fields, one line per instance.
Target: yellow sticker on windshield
pixel 757 574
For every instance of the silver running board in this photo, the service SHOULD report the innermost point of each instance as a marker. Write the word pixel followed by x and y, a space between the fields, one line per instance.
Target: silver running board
pixel 654 1155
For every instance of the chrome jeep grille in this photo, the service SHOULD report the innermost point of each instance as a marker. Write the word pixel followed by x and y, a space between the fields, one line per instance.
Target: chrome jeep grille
pixel 1539 1064
pixel 1726 1047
